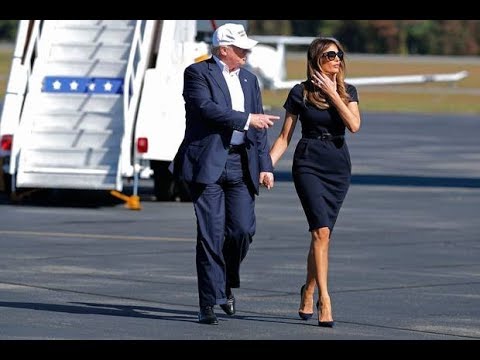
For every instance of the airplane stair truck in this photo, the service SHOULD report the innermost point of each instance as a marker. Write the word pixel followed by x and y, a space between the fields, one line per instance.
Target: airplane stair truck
pixel 92 102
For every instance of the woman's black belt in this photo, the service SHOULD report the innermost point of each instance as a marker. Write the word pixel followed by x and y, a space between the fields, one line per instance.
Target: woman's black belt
pixel 323 136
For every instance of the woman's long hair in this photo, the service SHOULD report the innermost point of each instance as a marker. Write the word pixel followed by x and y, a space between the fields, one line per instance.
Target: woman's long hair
pixel 314 61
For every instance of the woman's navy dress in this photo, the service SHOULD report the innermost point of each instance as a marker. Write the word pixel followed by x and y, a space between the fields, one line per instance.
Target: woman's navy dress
pixel 321 166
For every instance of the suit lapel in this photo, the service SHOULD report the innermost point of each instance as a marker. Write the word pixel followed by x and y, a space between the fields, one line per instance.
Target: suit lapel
pixel 217 75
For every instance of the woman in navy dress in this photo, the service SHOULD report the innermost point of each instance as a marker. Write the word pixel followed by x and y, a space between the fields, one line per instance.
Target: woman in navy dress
pixel 325 106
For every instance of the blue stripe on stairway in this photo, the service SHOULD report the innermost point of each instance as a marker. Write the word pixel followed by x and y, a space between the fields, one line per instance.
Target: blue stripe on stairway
pixel 82 85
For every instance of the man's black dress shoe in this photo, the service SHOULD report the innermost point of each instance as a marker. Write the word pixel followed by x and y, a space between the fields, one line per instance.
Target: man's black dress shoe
pixel 207 316
pixel 229 307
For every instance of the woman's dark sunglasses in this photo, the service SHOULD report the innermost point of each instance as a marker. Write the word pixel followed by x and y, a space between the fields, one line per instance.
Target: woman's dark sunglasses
pixel 330 55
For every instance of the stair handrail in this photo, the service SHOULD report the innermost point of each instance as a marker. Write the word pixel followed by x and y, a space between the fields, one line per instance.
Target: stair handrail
pixel 134 75
pixel 25 54
pixel 21 66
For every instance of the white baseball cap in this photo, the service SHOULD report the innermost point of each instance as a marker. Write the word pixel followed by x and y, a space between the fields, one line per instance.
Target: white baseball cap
pixel 232 34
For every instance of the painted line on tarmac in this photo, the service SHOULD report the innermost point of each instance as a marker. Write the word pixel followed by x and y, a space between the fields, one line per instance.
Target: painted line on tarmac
pixel 94 236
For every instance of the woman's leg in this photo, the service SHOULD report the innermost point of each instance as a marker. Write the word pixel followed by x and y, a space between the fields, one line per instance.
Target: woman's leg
pixel 319 250
pixel 306 304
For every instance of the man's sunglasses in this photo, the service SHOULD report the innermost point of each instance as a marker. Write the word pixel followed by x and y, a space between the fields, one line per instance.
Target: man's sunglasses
pixel 330 55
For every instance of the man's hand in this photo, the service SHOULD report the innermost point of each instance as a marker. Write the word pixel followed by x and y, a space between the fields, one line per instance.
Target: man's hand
pixel 266 179
pixel 262 121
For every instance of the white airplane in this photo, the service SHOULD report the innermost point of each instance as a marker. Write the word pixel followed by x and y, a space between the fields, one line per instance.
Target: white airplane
pixel 268 63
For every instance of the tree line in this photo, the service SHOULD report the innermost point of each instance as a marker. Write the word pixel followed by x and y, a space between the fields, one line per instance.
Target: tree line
pixel 403 37
pixel 416 37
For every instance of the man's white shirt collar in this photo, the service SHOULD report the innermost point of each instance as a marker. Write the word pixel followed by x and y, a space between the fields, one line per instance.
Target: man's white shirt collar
pixel 224 67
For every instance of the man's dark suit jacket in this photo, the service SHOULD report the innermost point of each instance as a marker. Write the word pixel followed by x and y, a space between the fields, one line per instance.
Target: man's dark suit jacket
pixel 210 122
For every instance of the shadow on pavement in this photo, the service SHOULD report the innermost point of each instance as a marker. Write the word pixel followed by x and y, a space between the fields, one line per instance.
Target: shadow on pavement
pixel 147 312
pixel 400 180
pixel 71 198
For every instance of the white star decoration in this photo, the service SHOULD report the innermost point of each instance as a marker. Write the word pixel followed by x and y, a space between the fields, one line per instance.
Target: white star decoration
pixel 108 86
pixel 57 85
pixel 74 86
pixel 91 86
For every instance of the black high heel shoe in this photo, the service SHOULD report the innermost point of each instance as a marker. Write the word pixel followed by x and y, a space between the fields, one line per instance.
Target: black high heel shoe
pixel 328 324
pixel 303 316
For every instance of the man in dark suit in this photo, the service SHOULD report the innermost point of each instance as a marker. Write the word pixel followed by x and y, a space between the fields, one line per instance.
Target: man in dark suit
pixel 223 158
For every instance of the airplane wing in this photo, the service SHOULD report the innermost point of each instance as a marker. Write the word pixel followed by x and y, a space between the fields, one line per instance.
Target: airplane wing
pixel 269 64
pixel 382 80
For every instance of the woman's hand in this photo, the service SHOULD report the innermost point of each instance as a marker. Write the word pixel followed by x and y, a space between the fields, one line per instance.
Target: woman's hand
pixel 327 85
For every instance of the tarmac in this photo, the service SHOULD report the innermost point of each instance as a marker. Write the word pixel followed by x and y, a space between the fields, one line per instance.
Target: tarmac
pixel 404 255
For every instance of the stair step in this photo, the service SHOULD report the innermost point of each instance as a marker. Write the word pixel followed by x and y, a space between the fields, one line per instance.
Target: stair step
pixel 88 51
pixel 117 23
pixel 81 68
pixel 67 157
pixel 47 103
pixel 78 120
pixel 100 170
pixel 67 180
pixel 74 138
pixel 92 34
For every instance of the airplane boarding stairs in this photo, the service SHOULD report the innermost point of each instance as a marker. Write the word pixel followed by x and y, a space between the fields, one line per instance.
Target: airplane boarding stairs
pixel 72 122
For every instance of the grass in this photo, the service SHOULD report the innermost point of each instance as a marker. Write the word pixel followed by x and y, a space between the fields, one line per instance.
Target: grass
pixel 5 61
pixel 462 97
